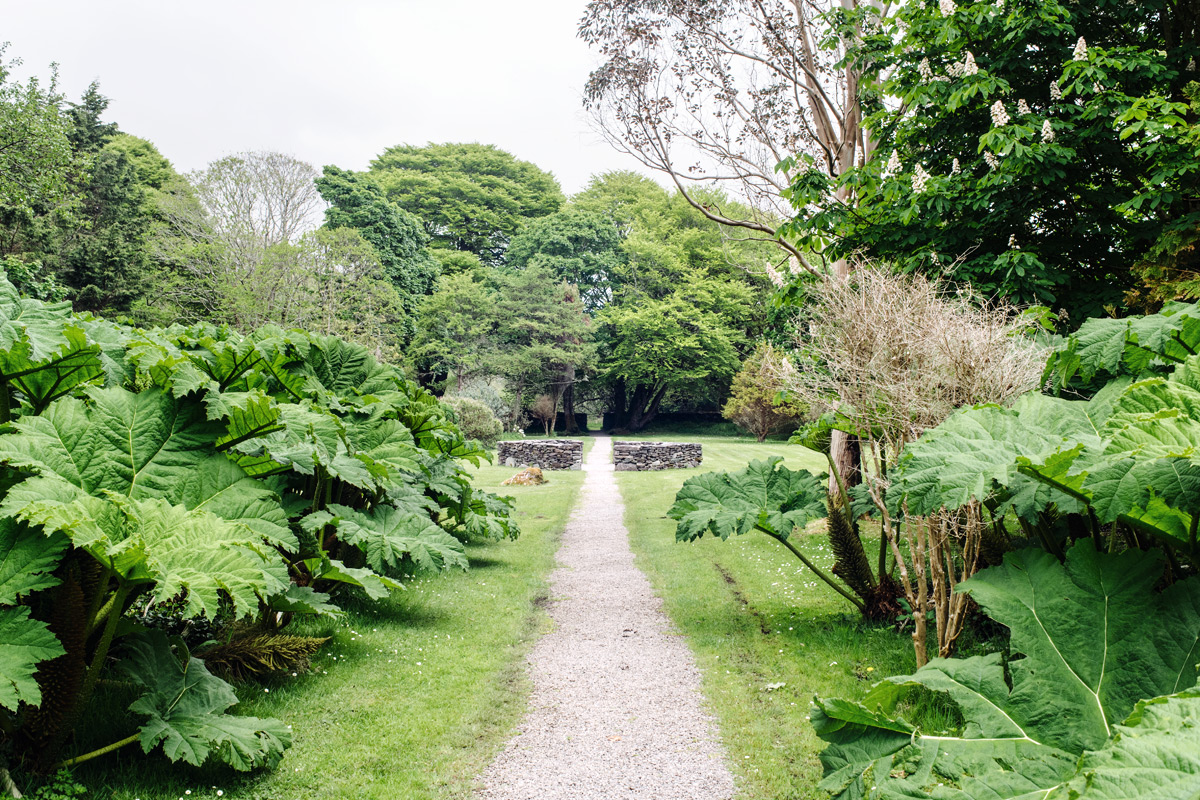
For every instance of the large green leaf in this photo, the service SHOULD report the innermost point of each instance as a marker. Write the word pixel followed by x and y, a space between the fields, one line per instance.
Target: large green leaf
pixel 1135 346
pixel 311 437
pixel 763 496
pixel 27 560
pixel 44 350
pixel 24 643
pixel 376 587
pixel 1155 755
pixel 185 705
pixel 219 486
pixel 136 444
pixel 144 445
pixel 1083 656
pixel 341 369
pixel 178 551
pixel 387 535
pixel 973 450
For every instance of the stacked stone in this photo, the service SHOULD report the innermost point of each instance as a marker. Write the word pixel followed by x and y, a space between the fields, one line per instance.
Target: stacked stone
pixel 541 453
pixel 641 456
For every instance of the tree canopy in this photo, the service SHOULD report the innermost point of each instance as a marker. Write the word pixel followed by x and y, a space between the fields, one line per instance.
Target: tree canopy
pixel 471 197
pixel 1035 151
pixel 356 201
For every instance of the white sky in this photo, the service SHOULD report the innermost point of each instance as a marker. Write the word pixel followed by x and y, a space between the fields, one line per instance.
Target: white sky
pixel 328 81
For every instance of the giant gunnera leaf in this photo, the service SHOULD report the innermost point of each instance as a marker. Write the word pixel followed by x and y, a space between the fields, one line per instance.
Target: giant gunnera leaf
pixel 174 550
pixel 386 536
pixel 27 559
pixel 145 445
pixel 44 350
pixel 186 707
pixel 764 496
pixel 1090 639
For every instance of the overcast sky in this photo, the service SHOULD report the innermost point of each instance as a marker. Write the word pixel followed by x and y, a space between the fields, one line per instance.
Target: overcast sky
pixel 331 82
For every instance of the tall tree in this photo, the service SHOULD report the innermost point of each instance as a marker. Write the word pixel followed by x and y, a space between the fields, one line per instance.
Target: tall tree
pixel 88 133
pixel 36 158
pixel 541 334
pixel 357 201
pixel 725 92
pixel 672 258
pixel 660 345
pixel 470 197
pixel 234 239
pixel 580 247
pixel 455 330
pixel 1038 151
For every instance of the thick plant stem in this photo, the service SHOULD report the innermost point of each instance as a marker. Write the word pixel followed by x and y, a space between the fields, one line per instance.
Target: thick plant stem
pixel 5 402
pixel 1097 538
pixel 115 607
pixel 841 485
pixel 70 762
pixel 819 572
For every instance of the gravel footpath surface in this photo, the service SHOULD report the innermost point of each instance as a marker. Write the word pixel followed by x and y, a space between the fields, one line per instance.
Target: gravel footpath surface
pixel 616 705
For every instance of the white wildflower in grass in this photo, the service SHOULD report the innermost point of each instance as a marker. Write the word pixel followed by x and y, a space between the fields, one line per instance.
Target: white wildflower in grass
pixel 991 160
pixel 925 70
pixel 969 67
pixel 955 168
pixel 1022 106
pixel 1080 53
pixel 1047 132
pixel 920 178
pixel 775 278
pixel 893 165
pixel 1055 91
pixel 947 7
pixel 999 115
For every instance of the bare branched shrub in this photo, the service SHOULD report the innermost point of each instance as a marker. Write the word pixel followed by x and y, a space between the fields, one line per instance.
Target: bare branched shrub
pixel 545 410
pixel 898 354
pixel 891 356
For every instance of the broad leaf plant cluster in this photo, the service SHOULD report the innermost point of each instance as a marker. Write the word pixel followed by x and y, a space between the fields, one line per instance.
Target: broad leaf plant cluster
pixel 1093 487
pixel 243 477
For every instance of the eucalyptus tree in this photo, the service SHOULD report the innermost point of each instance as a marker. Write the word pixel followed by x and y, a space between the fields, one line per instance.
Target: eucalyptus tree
pixel 726 92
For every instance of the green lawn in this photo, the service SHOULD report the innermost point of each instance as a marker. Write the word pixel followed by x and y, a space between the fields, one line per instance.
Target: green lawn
pixel 756 618
pixel 410 699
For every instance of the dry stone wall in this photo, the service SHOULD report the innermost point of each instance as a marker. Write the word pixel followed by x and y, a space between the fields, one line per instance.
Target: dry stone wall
pixel 640 456
pixel 541 453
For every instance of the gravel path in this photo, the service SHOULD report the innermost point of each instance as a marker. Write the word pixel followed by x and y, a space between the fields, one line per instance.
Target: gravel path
pixel 616 706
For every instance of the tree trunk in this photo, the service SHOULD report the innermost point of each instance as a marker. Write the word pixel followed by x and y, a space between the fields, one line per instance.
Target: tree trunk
pixel 518 397
pixel 567 397
pixel 632 418
pixel 644 407
pixel 847 458
pixel 620 405
pixel 572 426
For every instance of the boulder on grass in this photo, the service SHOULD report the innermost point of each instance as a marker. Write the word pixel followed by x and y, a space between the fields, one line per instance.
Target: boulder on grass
pixel 530 476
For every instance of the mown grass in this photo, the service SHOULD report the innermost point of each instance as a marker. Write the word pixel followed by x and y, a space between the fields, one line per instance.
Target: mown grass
pixel 411 698
pixel 766 633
